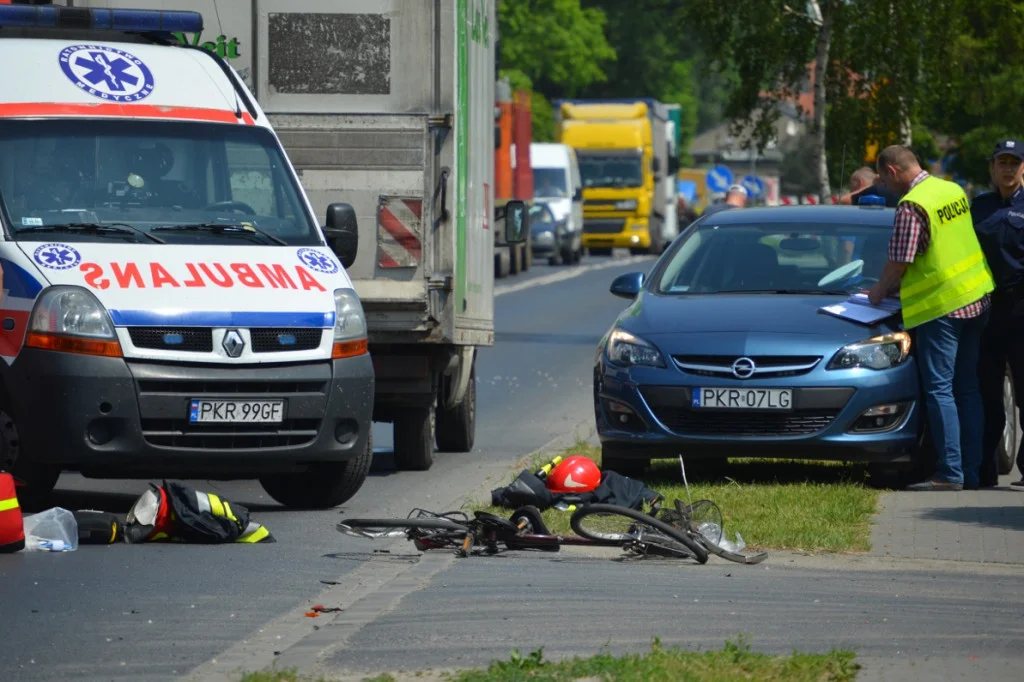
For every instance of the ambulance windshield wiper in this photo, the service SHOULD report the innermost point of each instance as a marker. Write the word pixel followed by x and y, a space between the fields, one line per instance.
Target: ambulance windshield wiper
pixel 222 229
pixel 94 228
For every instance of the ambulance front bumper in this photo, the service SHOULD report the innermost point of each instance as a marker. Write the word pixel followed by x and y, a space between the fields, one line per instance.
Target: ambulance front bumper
pixel 118 418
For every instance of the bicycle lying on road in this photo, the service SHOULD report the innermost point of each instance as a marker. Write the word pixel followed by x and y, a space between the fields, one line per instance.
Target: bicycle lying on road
pixel 681 531
pixel 601 525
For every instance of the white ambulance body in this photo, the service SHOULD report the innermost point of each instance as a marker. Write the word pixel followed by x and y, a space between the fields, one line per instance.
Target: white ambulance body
pixel 170 305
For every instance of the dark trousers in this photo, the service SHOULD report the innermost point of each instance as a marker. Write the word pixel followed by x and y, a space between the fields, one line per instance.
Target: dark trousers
pixel 1002 344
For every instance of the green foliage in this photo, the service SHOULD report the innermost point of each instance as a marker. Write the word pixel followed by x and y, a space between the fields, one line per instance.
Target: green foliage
pixel 556 44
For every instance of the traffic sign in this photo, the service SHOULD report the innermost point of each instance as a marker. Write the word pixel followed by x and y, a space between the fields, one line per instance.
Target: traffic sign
pixel 719 178
pixel 754 186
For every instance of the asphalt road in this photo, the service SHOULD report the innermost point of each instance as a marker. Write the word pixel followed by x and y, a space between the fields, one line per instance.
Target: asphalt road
pixel 156 612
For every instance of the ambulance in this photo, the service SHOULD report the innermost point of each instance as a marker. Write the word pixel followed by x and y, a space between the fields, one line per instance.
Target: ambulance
pixel 172 307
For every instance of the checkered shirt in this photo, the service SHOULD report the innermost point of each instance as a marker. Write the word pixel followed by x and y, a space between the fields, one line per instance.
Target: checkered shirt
pixel 910 238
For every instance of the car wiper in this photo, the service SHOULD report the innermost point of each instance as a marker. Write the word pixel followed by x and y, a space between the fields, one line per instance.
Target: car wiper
pixel 93 228
pixel 222 229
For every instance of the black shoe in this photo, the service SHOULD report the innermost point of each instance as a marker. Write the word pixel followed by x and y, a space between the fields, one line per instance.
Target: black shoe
pixel 1017 485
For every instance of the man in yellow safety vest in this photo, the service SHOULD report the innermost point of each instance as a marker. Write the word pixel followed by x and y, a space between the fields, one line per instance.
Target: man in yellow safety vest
pixel 944 283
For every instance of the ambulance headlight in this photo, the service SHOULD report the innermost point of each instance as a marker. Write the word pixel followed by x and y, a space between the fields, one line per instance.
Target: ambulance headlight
pixel 349 325
pixel 70 311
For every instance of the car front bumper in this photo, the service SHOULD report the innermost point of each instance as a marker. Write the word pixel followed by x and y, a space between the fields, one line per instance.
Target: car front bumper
pixel 118 418
pixel 647 413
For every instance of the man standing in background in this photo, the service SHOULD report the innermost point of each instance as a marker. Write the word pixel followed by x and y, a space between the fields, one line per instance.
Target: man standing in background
pixel 999 222
pixel 735 197
pixel 865 182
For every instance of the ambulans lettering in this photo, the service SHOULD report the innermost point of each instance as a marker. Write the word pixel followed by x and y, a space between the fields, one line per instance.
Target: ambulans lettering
pixel 106 72
pixel 190 275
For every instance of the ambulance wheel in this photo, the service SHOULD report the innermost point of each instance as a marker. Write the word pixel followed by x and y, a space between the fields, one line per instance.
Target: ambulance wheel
pixel 37 480
pixel 325 485
pixel 456 427
pixel 414 438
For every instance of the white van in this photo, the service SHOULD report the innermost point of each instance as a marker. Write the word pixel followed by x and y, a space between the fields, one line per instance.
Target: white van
pixel 557 182
pixel 171 307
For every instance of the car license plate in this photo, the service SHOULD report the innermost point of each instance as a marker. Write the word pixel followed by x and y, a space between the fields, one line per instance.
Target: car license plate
pixel 744 398
pixel 231 411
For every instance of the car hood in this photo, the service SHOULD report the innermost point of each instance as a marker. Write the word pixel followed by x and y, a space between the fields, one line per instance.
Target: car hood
pixel 559 206
pixel 741 323
pixel 164 284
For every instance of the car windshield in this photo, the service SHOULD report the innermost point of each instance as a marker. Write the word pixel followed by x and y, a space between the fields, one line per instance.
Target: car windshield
pixel 611 170
pixel 549 182
pixel 119 177
pixel 774 258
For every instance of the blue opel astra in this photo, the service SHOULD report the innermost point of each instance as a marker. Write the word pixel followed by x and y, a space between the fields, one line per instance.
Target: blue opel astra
pixel 725 351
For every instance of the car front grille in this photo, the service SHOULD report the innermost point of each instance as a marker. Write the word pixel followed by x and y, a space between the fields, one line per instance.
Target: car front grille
pixel 282 340
pixel 183 339
pixel 689 422
pixel 598 226
pixel 765 366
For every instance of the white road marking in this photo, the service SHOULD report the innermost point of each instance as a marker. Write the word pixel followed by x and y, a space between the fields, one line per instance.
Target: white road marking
pixel 569 274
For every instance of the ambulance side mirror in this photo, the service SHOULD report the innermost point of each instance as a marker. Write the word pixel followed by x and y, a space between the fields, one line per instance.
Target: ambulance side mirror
pixel 342 232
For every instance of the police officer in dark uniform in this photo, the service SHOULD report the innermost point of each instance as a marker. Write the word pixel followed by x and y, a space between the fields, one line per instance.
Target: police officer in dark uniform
pixel 999 222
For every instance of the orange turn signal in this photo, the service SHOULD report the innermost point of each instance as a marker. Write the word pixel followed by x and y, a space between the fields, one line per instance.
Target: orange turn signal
pixel 348 349
pixel 74 344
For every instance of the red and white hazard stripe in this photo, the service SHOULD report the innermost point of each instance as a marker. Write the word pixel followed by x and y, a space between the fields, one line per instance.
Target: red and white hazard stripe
pixel 399 230
pixel 790 200
pixel 810 199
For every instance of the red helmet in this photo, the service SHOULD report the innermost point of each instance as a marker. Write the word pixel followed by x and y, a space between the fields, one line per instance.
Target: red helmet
pixel 576 474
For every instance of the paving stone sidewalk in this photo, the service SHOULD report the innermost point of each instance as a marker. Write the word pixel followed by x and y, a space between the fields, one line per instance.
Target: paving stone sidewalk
pixel 973 525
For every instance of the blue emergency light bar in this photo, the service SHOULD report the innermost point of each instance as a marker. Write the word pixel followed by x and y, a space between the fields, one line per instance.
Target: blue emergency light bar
pixel 871 200
pixel 134 20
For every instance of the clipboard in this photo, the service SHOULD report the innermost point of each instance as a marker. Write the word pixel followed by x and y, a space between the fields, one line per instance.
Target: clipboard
pixel 858 309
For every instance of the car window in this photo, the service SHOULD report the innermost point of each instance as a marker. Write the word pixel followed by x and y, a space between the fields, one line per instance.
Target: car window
pixel 808 258
pixel 540 213
pixel 549 182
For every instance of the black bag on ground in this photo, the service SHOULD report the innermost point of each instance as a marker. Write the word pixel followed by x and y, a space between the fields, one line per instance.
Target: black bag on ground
pixel 529 489
pixel 98 527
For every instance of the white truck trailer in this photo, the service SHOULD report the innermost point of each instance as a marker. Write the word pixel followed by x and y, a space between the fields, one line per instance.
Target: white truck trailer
pixel 389 105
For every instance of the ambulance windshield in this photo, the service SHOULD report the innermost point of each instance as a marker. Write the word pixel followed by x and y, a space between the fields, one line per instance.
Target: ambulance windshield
pixel 144 175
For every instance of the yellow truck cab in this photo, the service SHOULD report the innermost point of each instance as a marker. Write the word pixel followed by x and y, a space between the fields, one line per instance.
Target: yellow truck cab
pixel 624 155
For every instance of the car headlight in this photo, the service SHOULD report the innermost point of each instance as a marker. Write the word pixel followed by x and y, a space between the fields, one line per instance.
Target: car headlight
pixel 626 350
pixel 72 320
pixel 625 205
pixel 349 325
pixel 880 352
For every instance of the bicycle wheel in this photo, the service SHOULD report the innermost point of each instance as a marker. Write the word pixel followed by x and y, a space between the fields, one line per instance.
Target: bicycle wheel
pixel 610 524
pixel 383 528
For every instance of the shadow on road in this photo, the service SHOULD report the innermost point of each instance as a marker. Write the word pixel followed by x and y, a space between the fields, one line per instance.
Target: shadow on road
pixel 757 471
pixel 549 339
pixel 1010 516
pixel 120 503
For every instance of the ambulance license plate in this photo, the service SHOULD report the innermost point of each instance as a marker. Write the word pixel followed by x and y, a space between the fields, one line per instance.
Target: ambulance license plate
pixel 235 411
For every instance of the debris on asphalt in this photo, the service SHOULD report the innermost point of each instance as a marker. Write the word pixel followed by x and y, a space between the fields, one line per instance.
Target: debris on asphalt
pixel 53 530
pixel 175 512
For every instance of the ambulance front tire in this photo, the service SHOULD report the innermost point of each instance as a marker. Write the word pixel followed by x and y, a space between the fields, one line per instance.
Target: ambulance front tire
pixel 325 485
pixel 37 480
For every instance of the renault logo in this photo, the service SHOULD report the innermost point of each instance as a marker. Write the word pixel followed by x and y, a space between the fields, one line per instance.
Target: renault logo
pixel 233 343
pixel 743 368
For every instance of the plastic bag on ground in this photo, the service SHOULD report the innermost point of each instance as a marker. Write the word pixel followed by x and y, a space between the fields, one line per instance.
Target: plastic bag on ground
pixel 53 530
pixel 712 532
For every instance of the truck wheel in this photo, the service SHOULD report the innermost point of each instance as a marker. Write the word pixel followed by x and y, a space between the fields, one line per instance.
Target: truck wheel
pixel 38 479
pixel 456 428
pixel 1007 452
pixel 325 485
pixel 414 438
pixel 501 264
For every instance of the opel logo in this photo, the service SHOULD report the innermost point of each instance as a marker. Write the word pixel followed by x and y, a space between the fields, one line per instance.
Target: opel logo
pixel 233 344
pixel 743 368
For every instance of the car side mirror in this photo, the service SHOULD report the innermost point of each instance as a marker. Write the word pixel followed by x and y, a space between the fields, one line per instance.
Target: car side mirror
pixel 517 222
pixel 628 285
pixel 342 232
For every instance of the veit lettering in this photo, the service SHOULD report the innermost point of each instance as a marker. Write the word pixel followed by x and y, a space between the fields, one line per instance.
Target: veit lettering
pixel 224 48
pixel 953 210
pixel 201 275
